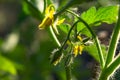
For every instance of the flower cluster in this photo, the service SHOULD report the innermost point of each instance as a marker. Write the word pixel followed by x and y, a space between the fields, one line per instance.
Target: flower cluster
pixel 78 46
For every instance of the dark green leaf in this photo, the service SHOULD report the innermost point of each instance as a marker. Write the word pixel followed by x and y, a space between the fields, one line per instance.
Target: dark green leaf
pixel 31 9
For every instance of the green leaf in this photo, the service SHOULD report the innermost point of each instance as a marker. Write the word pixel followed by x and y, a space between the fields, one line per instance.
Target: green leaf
pixel 89 16
pixel 103 14
pixel 96 17
pixel 65 28
pixel 7 65
pixel 107 14
pixel 92 50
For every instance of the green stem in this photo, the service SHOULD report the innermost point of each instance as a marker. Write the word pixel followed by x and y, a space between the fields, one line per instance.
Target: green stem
pixel 68 36
pixel 54 36
pixel 111 65
pixel 64 8
pixel 68 73
pixel 70 3
pixel 114 65
pixel 104 75
pixel 113 43
pixel 68 68
pixel 45 5
pixel 110 69
pixel 95 38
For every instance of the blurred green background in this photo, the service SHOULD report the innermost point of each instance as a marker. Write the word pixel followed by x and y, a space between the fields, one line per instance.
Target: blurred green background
pixel 25 50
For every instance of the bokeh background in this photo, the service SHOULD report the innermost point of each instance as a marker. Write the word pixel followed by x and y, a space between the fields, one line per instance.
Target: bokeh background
pixel 25 50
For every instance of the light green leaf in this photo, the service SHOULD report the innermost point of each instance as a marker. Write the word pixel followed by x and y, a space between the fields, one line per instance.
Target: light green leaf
pixel 7 65
pixel 107 14
pixel 95 17
pixel 103 14
pixel 89 16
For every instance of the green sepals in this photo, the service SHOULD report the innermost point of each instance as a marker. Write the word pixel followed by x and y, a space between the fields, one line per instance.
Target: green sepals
pixel 56 56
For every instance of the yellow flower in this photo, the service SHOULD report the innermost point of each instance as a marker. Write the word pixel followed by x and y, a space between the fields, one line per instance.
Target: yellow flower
pixel 78 49
pixel 49 19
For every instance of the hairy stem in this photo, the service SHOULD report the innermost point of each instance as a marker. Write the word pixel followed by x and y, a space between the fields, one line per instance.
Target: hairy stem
pixel 68 68
pixel 68 72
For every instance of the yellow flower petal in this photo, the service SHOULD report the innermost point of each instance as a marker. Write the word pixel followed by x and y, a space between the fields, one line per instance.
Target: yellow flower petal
pixel 49 17
pixel 80 48
pixel 50 9
pixel 75 50
pixel 47 21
